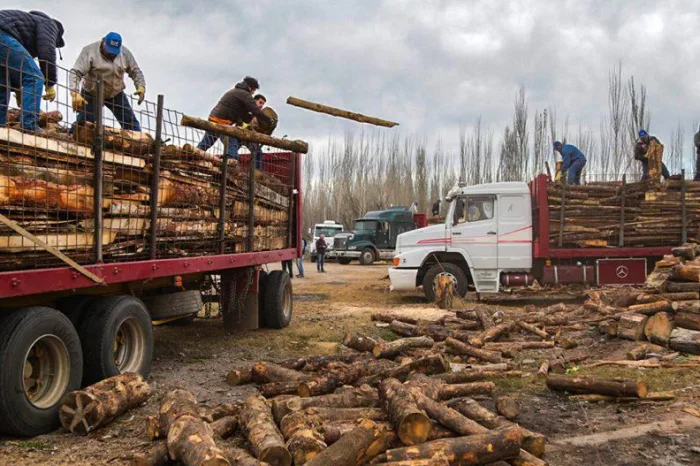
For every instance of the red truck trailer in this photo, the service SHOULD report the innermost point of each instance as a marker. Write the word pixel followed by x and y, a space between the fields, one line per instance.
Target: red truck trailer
pixel 104 231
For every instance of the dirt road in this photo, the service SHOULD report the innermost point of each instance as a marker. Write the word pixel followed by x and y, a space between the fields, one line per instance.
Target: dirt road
pixel 198 356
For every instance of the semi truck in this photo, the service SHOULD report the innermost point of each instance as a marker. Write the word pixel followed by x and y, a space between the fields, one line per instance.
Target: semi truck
pixel 329 229
pixel 105 231
pixel 507 234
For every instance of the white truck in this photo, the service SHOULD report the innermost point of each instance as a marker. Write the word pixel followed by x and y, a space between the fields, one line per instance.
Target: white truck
pixel 329 229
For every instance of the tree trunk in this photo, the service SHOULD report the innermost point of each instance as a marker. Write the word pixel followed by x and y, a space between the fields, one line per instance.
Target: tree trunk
pixel 681 296
pixel 390 350
pixel 686 273
pixel 688 306
pixel 154 429
pixel 325 415
pixel 532 329
pixel 389 317
pixel 684 252
pixel 334 376
pixel 411 424
pixel 494 333
pixel 404 329
pixel 263 373
pixel 241 457
pixel 446 416
pixel 225 426
pixel 83 411
pixel 434 364
pixel 271 390
pixel 650 309
pixel 350 449
pixel 612 387
pixel 265 439
pixel 240 376
pixel 508 407
pixel 680 287
pixel 685 341
pixel 156 455
pixel 658 328
pixel 191 441
pixel 477 375
pixel 485 318
pixel 449 392
pixel 687 320
pixel 337 112
pixel 461 324
pixel 457 347
pixel 467 314
pixel 363 397
pixel 631 326
pixel 359 342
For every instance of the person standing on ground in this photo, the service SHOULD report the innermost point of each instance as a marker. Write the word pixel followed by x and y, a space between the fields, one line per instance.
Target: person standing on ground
pixel 23 37
pixel 641 149
pixel 108 60
pixel 436 208
pixel 287 267
pixel 696 139
pixel 321 253
pixel 573 162
pixel 300 259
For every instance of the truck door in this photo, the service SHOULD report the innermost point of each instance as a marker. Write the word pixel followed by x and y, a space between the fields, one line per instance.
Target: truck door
pixel 381 235
pixel 514 232
pixel 475 230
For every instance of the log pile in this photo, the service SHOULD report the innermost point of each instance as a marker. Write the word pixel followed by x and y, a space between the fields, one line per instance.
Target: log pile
pixel 47 187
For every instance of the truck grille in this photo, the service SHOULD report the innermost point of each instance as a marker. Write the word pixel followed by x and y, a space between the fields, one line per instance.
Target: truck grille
pixel 339 243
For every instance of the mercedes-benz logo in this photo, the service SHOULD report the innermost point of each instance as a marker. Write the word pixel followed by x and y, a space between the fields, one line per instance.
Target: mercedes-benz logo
pixel 621 271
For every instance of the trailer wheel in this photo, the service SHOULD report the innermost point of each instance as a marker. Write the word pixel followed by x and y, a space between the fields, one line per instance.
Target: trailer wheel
pixel 262 285
pixel 117 336
pixel 40 360
pixel 445 268
pixel 367 256
pixel 344 260
pixel 180 303
pixel 278 300
pixel 74 307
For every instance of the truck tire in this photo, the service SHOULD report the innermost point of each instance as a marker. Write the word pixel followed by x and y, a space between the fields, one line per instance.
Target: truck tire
pixel 344 260
pixel 457 274
pixel 43 343
pixel 180 303
pixel 367 256
pixel 262 285
pixel 74 307
pixel 278 299
pixel 116 336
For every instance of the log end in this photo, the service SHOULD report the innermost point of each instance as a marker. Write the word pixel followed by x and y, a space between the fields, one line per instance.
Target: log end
pixel 377 351
pixel 218 461
pixel 78 412
pixel 235 377
pixel 276 456
pixel 304 390
pixel 534 443
pixel 642 389
pixel 414 429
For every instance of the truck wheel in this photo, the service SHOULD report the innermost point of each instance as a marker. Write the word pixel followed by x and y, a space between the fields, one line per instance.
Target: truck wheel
pixel 367 256
pixel 41 360
pixel 444 268
pixel 262 285
pixel 344 260
pixel 180 303
pixel 117 336
pixel 74 307
pixel 278 300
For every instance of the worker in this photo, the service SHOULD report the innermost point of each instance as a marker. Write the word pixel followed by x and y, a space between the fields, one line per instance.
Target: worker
pixel 641 147
pixel 573 162
pixel 321 254
pixel 436 208
pixel 253 147
pixel 236 106
pixel 106 59
pixel 697 155
pixel 287 267
pixel 23 37
pixel 300 259
pixel 414 208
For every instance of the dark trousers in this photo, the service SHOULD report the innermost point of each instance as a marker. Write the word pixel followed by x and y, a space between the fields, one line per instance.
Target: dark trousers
pixel 287 267
pixel 320 261
pixel 119 106
pixel 697 166
pixel 664 170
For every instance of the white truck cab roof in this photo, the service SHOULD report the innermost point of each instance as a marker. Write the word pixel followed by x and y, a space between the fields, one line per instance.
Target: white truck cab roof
pixel 503 187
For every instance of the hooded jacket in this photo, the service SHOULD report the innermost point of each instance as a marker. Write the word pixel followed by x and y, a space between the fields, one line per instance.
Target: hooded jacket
pixel 39 34
pixel 238 106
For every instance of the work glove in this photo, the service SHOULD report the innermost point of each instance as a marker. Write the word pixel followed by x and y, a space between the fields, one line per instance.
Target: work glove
pixel 141 92
pixel 18 98
pixel 78 101
pixel 50 93
pixel 558 177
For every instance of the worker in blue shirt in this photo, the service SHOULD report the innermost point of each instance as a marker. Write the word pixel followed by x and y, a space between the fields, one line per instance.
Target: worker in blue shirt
pixel 573 161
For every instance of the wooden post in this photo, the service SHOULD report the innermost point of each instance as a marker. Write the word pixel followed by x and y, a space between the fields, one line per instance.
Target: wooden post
pixel 290 215
pixel 684 213
pixel 336 112
pixel 155 182
pixel 221 227
pixel 98 150
pixel 621 242
pixel 562 210
pixel 251 205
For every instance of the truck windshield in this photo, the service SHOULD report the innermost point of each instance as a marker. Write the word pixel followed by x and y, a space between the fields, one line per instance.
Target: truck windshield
pixel 366 225
pixel 329 232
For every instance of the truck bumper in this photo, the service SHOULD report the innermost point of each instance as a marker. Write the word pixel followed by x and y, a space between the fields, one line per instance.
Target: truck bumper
pixel 402 279
pixel 349 254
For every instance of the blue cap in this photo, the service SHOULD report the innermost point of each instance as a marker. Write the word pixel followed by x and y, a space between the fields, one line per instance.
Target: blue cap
pixel 556 143
pixel 113 43
pixel 643 133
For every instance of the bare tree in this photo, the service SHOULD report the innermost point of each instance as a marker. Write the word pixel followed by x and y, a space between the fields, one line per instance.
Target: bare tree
pixel 674 155
pixel 618 104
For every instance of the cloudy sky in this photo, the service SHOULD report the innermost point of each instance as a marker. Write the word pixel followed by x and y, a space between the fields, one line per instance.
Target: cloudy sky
pixel 431 65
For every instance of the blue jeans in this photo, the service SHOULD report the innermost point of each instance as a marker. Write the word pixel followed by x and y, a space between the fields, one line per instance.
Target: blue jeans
pixel 210 139
pixel 300 266
pixel 119 106
pixel 18 68
pixel 575 170
pixel 320 260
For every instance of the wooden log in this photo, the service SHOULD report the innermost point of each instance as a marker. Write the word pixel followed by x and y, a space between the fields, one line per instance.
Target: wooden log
pixel 684 252
pixel 631 326
pixel 476 375
pixel 543 371
pixel 335 375
pixel 240 376
pixel 451 391
pixel 271 390
pixel 532 329
pixel 438 459
pixel 612 387
pixel 453 346
pixel 318 363
pixel 519 346
pixel 687 273
pixel 508 406
pixel 83 411
pixel 241 457
pixel 404 329
pixel 653 307
pixel 410 422
pixel 687 320
pixel 362 397
pixel 496 332
pixel 156 455
pixel 263 373
pixel 461 324
pixel 350 449
pixel 359 342
pixel 304 440
pixel 245 135
pixel 682 296
pixel 448 417
pixel 685 341
pixel 220 411
pixel 687 306
pixel 651 396
pixel 337 112
pixel 389 317
pixel 191 442
pixel 265 439
pixel 608 327
pixel 154 429
pixel 325 415
pixel 637 353
pixel 433 364
pixel 676 287
pixel 389 350
pixel 485 318
pixel 658 328
pixel 467 314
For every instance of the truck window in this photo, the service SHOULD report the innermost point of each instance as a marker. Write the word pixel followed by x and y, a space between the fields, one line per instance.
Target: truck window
pixel 473 209
pixel 328 232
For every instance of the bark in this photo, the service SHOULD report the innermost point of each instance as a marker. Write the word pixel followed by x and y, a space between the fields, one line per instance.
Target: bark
pixel 532 329
pixel 191 441
pixel 404 329
pixel 296 364
pixel 651 396
pixel 495 333
pixel 271 390
pixel 351 448
pixel 685 341
pixel 650 309
pixel 438 459
pixel 337 112
pixel 519 346
pixel 241 457
pixel 156 455
pixel 220 411
pixel 390 350
pixel 461 324
pixel 265 439
pixel 600 308
pixel 457 347
pixel 359 342
pixel 658 328
pixel 334 376
pixel 485 318
pixel 686 273
pixel 240 376
pixel 678 287
pixel 508 407
pixel 543 370
pixel 446 416
pixel 682 296
pixel 263 373
pixel 631 326
pixel 83 411
pixel 154 429
pixel 476 375
pixel 684 252
pixel 411 423
pixel 324 415
pixel 448 392
pixel 637 353
pixel 304 441
pixel 608 327
pixel 434 364
pixel 688 306
pixel 428 386
pixel 467 314
pixel 225 426
pixel 612 387
pixel 318 363
pixel 364 396
pixel 687 320
pixel 389 317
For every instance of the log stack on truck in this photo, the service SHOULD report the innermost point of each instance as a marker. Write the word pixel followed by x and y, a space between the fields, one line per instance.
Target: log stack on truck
pixel 103 230
pixel 511 233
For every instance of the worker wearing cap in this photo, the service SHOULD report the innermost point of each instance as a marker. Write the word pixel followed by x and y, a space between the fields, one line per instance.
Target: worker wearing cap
pixel 696 140
pixel 23 37
pixel 109 60
pixel 573 161
pixel 641 147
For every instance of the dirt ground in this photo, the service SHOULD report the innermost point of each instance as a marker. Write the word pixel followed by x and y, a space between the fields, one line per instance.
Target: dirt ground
pixel 197 357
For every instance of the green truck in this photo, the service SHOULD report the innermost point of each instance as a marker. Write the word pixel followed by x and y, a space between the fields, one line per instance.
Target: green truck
pixel 374 235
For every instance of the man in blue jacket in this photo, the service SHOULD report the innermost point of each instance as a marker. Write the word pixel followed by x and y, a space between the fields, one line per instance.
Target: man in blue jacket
pixel 23 37
pixel 573 161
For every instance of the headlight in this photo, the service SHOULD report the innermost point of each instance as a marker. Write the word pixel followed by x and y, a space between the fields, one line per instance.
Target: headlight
pixel 352 248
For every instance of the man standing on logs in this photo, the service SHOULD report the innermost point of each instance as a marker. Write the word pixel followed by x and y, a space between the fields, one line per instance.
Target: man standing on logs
pixel 641 153
pixel 573 161
pixel 236 106
pixel 696 140
pixel 107 60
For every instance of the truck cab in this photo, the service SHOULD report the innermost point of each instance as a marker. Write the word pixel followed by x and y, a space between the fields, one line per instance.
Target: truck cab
pixel 374 236
pixel 329 229
pixel 487 232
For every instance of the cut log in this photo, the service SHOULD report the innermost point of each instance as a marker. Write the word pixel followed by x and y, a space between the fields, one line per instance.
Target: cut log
pixel 411 423
pixel 404 329
pixel 446 416
pixel 637 353
pixel 359 342
pixel 304 440
pixel 225 426
pixel 337 112
pixel 434 364
pixel 156 455
pixel 449 392
pixel 462 324
pixel 266 441
pixel 688 306
pixel 612 387
pixel 271 390
pixel 687 320
pixel 651 396
pixel 485 318
pixel 263 373
pixel 467 314
pixel 438 460
pixel 685 341
pixel 608 327
pixel 191 442
pixel 631 326
pixel 658 328
pixel 241 457
pixel 650 309
pixel 390 350
pixel 220 411
pixel 389 317
pixel 532 329
pixel 324 414
pixel 154 429
pixel 476 375
pixel 543 370
pixel 453 346
pixel 680 287
pixel 682 296
pixel 519 346
pixel 486 448
pixel 83 411
pixel 318 363
pixel 686 273
pixel 240 376
pixel 684 252
pixel 497 332
pixel 508 407
pixel 351 448
pixel 335 375
pixel 364 396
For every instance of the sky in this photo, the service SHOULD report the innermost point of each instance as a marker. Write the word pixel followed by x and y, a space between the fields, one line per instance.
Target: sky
pixel 431 65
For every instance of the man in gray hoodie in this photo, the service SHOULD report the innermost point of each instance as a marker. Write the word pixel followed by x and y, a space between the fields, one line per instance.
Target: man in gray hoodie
pixel 108 60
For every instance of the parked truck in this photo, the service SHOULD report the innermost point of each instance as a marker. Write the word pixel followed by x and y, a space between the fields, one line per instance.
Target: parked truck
pixel 329 229
pixel 374 235
pixel 508 234
pixel 105 231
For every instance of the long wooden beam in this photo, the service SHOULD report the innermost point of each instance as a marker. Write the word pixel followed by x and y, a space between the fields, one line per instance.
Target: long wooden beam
pixel 337 112
pixel 297 146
